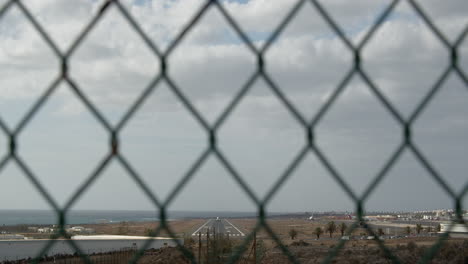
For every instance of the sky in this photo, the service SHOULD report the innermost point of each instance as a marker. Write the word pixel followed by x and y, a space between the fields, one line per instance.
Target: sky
pixel 63 143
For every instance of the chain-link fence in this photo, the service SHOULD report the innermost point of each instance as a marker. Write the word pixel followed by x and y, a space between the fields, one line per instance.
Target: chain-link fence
pixel 308 125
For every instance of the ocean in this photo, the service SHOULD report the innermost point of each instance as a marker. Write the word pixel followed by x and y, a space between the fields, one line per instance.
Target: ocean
pixel 47 217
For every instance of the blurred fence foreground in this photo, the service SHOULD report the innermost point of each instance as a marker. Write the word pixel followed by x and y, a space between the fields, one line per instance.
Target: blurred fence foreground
pixel 211 130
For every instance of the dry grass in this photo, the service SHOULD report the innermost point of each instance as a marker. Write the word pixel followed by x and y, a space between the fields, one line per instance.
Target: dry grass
pixel 305 229
pixel 178 227
pixel 409 250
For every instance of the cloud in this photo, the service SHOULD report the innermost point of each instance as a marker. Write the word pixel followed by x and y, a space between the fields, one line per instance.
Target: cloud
pixel 113 66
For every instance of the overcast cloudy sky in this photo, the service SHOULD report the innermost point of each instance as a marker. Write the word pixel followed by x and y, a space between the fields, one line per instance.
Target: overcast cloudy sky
pixel 63 143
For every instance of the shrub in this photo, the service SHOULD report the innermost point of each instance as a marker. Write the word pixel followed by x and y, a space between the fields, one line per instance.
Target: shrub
pixel 411 246
pixel 293 233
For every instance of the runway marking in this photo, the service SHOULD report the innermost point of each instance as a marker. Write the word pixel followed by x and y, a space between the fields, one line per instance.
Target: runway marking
pixel 240 232
pixel 194 233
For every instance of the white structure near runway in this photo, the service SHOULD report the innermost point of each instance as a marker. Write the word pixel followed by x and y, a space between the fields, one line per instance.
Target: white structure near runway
pixel 23 249
pixel 455 230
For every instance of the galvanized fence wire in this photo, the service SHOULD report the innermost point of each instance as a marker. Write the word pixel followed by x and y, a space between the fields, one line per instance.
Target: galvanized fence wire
pixel 310 148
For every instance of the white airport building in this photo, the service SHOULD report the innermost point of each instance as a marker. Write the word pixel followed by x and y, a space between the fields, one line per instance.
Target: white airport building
pixel 454 230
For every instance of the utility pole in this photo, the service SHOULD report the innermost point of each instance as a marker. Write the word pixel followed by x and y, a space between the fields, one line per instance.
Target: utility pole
pixel 255 248
pixel 208 246
pixel 199 247
pixel 215 244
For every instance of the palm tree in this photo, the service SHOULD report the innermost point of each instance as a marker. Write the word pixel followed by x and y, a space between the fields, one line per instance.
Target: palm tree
pixel 331 227
pixel 150 232
pixel 343 228
pixel 429 229
pixel 408 230
pixel 418 228
pixel 380 232
pixel 293 233
pixel 318 231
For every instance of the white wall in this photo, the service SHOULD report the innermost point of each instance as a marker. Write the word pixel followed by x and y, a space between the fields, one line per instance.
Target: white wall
pixel 20 249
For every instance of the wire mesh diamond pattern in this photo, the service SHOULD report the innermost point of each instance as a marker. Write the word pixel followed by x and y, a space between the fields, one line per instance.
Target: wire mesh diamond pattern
pixel 310 148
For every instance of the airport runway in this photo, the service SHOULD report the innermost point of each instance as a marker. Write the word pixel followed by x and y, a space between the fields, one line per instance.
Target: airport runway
pixel 219 226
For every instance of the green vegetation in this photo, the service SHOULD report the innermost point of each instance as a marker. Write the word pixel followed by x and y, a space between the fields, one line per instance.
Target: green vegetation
pixel 293 233
pixel 380 232
pixel 429 229
pixel 419 228
pixel 150 232
pixel 408 230
pixel 318 232
pixel 343 227
pixel 331 228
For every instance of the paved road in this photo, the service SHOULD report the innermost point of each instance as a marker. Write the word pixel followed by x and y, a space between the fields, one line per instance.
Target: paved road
pixel 219 226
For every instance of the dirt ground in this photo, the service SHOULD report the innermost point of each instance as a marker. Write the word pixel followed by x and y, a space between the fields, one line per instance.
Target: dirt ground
pixel 304 247
pixel 180 228
pixel 305 231
pixel 307 249
pixel 455 251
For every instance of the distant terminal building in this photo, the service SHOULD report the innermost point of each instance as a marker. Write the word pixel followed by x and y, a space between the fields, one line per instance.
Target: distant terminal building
pixel 33 228
pixel 340 217
pixel 386 217
pixel 77 229
pixel 454 230
pixel 11 237
pixel 429 217
pixel 80 229
pixel 380 217
pixel 45 230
